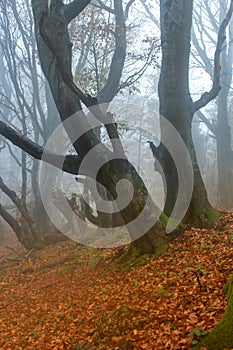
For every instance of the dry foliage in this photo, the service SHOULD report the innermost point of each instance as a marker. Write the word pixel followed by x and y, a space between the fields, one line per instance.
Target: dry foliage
pixel 66 297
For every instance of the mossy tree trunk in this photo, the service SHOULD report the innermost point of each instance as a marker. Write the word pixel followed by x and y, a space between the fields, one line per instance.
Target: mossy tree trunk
pixel 221 126
pixel 56 26
pixel 221 336
pixel 177 107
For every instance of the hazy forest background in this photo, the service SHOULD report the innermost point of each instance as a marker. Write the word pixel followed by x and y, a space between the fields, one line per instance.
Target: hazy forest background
pixel 145 61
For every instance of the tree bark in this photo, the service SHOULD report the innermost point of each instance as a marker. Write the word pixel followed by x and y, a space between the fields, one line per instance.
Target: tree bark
pixel 221 336
pixel 26 232
pixel 221 130
pixel 224 154
pixel 68 103
pixel 177 107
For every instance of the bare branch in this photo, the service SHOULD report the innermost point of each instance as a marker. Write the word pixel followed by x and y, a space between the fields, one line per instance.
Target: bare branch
pixel 127 8
pixel 212 16
pixel 90 102
pixel 74 8
pixel 133 78
pixel 15 199
pixel 209 96
pixel 202 54
pixel 102 5
pixel 149 13
pixel 209 125
pixel 71 162
pixel 111 87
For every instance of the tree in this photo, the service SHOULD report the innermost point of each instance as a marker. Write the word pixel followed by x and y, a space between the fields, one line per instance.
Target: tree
pixel 22 67
pixel 218 126
pixel 221 336
pixel 24 106
pixel 55 56
pixel 25 229
pixel 177 106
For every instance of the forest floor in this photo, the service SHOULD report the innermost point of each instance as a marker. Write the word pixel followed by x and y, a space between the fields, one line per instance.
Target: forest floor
pixel 67 295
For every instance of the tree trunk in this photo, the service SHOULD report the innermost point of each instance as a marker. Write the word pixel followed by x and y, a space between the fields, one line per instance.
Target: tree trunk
pixel 40 216
pixel 223 133
pixel 176 106
pixel 154 240
pixel 221 130
pixel 221 336
pixel 224 160
pixel 26 231
pixel 56 26
pixel 25 236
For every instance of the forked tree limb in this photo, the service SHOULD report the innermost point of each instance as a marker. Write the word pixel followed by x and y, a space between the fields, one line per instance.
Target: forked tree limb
pixel 74 8
pixel 90 102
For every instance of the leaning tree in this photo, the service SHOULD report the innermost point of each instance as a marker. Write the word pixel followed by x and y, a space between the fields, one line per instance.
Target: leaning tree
pixel 55 53
pixel 86 34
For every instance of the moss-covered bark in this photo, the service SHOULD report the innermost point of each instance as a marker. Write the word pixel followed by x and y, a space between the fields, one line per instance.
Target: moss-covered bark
pixel 53 27
pixel 221 336
pixel 177 107
pixel 202 217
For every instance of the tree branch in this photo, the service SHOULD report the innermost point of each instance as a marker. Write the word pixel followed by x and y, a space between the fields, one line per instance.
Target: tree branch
pixel 131 79
pixel 74 8
pixel 20 205
pixel 104 7
pixel 9 219
pixel 202 54
pixel 90 102
pixel 71 162
pixel 111 86
pixel 127 8
pixel 209 96
pixel 149 13
pixel 206 121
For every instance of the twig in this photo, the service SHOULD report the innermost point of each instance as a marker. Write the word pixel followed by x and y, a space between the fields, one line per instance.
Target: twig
pixel 198 280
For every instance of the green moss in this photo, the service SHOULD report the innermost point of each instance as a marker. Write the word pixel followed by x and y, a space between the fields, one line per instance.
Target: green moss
pixel 142 260
pixel 226 289
pixel 90 257
pixel 164 219
pixel 128 261
pixel 203 218
pixel 212 215
pixel 176 232
pixel 161 251
pixel 221 336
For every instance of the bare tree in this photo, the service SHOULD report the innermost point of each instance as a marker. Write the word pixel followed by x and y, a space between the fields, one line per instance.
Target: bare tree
pixel 55 56
pixel 177 106
pixel 218 126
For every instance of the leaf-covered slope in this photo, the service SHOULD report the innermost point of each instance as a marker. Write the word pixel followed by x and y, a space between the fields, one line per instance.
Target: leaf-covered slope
pixel 65 296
